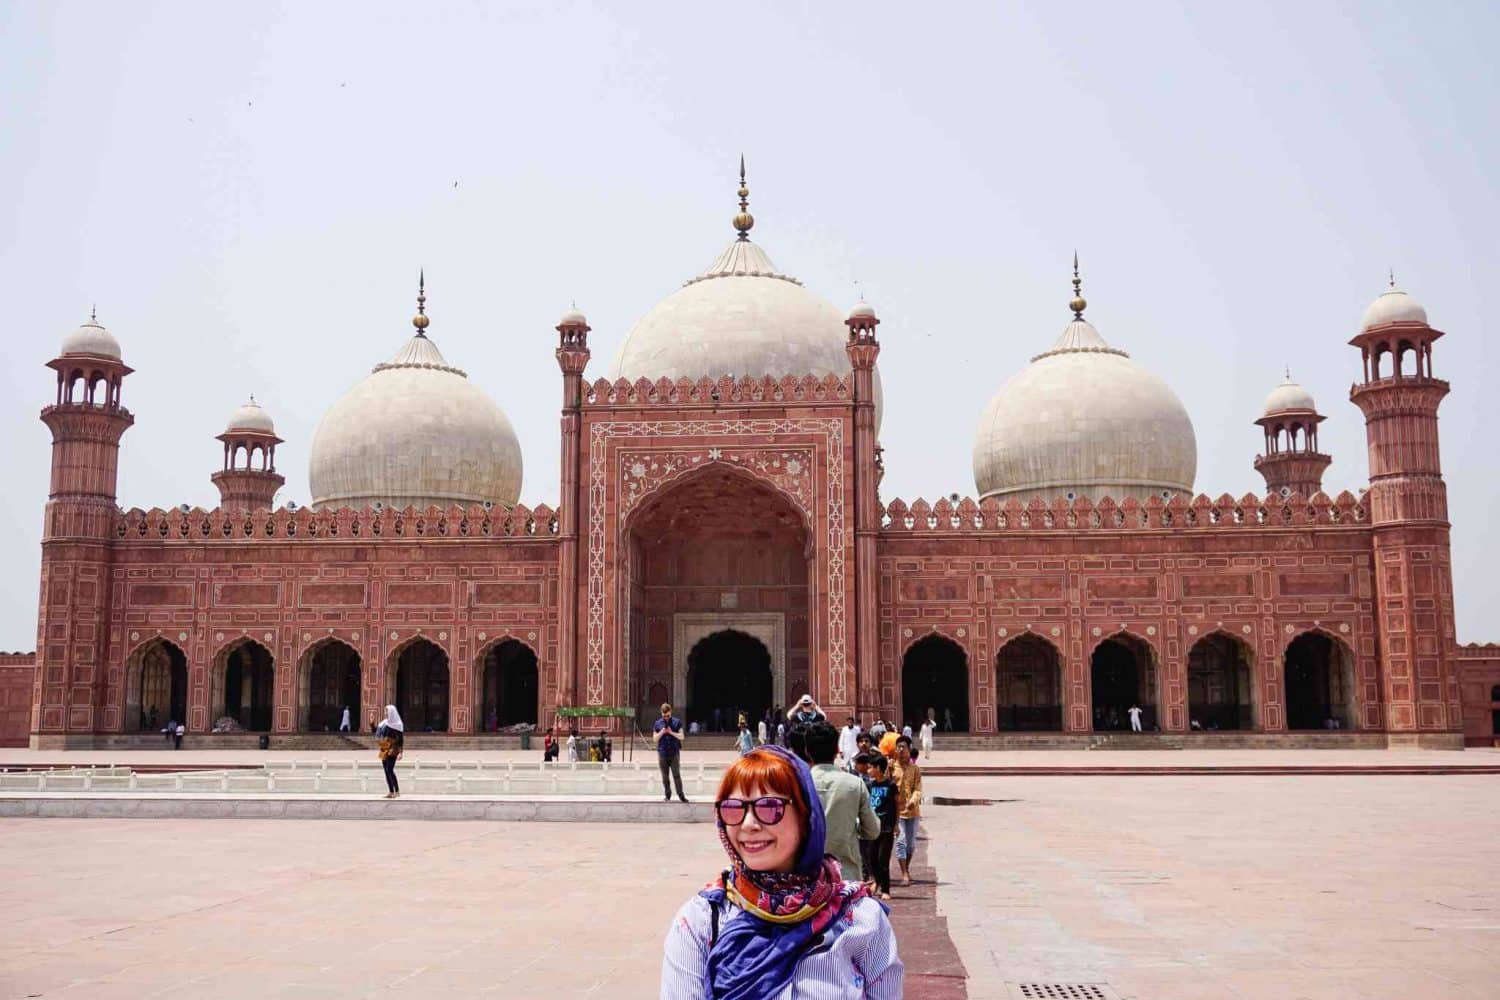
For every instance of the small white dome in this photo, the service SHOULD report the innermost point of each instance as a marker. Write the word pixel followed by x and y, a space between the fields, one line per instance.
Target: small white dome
pixel 1083 418
pixel 573 317
pixel 1393 306
pixel 415 432
pixel 743 318
pixel 862 310
pixel 91 338
pixel 1288 396
pixel 250 417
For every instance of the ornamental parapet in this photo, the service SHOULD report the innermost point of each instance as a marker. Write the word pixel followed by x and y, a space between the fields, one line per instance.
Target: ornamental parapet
pixel 992 515
pixel 767 389
pixel 408 523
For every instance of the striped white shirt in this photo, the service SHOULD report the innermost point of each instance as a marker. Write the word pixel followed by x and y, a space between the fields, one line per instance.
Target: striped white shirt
pixel 856 961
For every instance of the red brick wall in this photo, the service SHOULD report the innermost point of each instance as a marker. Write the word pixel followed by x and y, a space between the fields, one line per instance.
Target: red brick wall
pixel 1479 676
pixel 17 674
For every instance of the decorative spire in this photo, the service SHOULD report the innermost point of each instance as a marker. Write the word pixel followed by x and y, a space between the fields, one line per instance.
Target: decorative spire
pixel 1079 303
pixel 94 314
pixel 1288 373
pixel 420 320
pixel 744 221
pixel 1391 272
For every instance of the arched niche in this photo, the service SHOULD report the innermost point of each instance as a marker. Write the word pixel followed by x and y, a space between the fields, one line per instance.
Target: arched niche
pixel 242 686
pixel 935 675
pixel 1221 684
pixel 1028 685
pixel 506 688
pixel 1319 682
pixel 156 686
pixel 329 681
pixel 1123 675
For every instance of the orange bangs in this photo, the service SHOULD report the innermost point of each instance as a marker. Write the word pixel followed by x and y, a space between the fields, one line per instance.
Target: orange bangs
pixel 766 770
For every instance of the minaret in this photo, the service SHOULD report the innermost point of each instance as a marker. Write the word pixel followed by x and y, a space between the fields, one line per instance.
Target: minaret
pixel 572 358
pixel 1408 506
pixel 864 348
pixel 1292 462
pixel 249 479
pixel 87 421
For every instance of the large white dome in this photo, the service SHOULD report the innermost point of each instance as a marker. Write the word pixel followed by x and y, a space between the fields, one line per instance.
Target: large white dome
pixel 739 317
pixel 415 432
pixel 92 339
pixel 1393 306
pixel 1083 418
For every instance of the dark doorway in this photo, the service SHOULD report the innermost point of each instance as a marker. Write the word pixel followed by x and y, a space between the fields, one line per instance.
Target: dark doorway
pixel 249 682
pixel 1124 677
pixel 935 675
pixel 159 678
pixel 508 694
pixel 729 673
pixel 332 679
pixel 1028 686
pixel 1319 684
pixel 422 687
pixel 1495 710
pixel 1220 691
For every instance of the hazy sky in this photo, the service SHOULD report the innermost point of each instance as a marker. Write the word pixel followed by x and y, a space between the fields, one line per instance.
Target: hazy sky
pixel 247 193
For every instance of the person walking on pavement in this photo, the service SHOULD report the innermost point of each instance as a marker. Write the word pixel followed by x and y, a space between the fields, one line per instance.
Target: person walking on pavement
pixel 760 733
pixel 885 800
pixel 177 735
pixel 849 743
pixel 1135 718
pixel 847 814
pixel 392 734
pixel 744 742
pixel 344 721
pixel 926 734
pixel 908 777
pixel 667 732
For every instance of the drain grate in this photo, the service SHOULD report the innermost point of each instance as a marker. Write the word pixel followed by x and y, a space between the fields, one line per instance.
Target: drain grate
pixel 1061 991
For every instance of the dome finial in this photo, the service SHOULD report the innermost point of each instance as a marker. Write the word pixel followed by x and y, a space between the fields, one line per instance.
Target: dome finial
pixel 1391 273
pixel 94 313
pixel 420 320
pixel 1079 303
pixel 744 221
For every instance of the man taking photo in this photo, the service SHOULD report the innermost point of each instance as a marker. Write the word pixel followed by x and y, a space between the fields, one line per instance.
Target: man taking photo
pixel 667 732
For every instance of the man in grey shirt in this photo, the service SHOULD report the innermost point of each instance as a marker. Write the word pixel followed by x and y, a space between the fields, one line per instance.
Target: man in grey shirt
pixel 846 800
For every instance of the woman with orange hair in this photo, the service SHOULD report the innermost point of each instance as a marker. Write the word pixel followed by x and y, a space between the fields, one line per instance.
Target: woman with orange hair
pixel 780 919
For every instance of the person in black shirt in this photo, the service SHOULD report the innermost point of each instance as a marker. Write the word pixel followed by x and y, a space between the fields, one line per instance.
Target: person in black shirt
pixel 667 732
pixel 883 795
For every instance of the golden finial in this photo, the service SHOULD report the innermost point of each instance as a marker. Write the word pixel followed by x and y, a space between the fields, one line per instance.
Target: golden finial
pixel 1079 303
pixel 420 320
pixel 744 221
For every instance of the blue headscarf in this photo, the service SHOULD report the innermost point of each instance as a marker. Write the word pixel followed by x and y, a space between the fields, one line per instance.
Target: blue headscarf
pixel 755 959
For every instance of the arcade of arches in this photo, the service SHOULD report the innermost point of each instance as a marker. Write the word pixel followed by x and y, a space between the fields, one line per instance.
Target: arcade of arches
pixel 716 541
pixel 507 688
pixel 1028 686
pixel 244 682
pixel 1122 670
pixel 156 687
pixel 935 675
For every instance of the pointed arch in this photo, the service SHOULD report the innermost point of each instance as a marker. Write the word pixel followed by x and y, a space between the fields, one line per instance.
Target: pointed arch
pixel 1029 684
pixel 1319 682
pixel 419 684
pixel 935 675
pixel 1123 674
pixel 330 675
pixel 156 685
pixel 1221 683
pixel 242 685
pixel 507 684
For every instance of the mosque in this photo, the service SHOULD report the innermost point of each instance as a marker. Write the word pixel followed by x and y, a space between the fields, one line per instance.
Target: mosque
pixel 719 540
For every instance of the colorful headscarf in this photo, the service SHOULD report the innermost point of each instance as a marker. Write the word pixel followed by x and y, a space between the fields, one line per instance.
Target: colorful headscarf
pixel 785 913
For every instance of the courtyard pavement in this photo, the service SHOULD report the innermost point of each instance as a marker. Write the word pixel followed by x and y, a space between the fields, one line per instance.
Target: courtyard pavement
pixel 1158 887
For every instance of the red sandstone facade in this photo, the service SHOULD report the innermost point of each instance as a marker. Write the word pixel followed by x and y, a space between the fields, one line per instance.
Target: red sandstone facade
pixel 692 508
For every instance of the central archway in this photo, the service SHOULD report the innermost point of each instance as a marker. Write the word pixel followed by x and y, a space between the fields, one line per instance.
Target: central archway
pixel 935 675
pixel 1221 688
pixel 717 550
pixel 243 687
pixel 729 673
pixel 421 668
pixel 506 694
pixel 1122 670
pixel 155 687
pixel 1028 685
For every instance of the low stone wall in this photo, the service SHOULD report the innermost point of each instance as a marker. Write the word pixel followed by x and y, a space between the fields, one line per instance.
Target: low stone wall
pixel 64 806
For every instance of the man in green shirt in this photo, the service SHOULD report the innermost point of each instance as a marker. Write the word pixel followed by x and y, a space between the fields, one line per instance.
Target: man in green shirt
pixel 846 800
